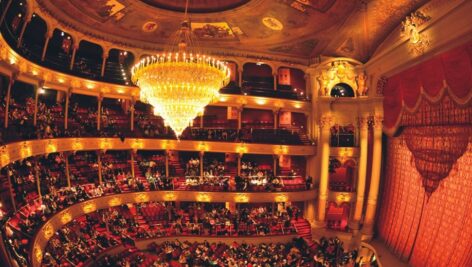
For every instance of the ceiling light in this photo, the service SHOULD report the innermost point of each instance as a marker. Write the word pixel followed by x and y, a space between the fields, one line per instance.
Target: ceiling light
pixel 179 83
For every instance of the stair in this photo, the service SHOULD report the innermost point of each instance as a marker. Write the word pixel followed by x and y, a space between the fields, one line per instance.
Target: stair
pixel 304 139
pixel 303 229
pixel 177 167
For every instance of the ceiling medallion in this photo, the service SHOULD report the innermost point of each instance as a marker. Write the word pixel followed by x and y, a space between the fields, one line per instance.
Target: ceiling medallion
pixel 418 42
pixel 272 23
pixel 180 82
pixel 149 26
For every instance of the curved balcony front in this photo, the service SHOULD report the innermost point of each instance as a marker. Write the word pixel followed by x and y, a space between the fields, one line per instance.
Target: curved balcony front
pixel 20 150
pixel 58 220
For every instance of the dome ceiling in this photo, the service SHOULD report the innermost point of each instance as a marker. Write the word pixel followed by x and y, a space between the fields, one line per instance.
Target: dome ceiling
pixel 196 6
pixel 295 28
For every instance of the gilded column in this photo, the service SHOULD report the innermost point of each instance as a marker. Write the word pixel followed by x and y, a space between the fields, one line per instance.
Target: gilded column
pixel 132 163
pixel 36 173
pixel 99 163
pixel 46 43
pixel 201 163
pixel 275 81
pixel 104 62
pixel 309 125
pixel 4 13
pixel 7 104
pixel 132 109
pixel 10 186
pixel 36 98
pixel 66 108
pixel 66 159
pixel 240 78
pixel 276 118
pixel 325 126
pixel 23 28
pixel 309 213
pixel 369 218
pixel 276 159
pixel 167 162
pixel 361 173
pixel 75 47
pixel 239 156
pixel 308 86
pixel 99 112
pixel 240 110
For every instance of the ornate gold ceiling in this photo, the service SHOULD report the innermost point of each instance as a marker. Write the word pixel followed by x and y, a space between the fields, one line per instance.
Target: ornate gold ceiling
pixel 196 6
pixel 296 28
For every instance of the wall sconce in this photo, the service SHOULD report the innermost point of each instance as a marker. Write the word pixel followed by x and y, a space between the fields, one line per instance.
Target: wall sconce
pixel 281 150
pixel 38 254
pixel 5 157
pixel 116 201
pixel 77 145
pixel 241 149
pixel 203 197
pixel 343 197
pixel 241 198
pixel 89 207
pixel 202 146
pixel 261 101
pixel 169 196
pixel 66 218
pixel 418 42
pixel 12 60
pixel 281 198
pixel 105 144
pixel 137 144
pixel 51 148
pixel 48 231
pixel 142 197
pixel 26 150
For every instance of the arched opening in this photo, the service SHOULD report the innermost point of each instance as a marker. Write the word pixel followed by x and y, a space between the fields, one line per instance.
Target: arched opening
pixel 342 90
pixel 118 66
pixel 59 51
pixel 257 79
pixel 233 85
pixel 34 38
pixel 88 61
pixel 341 175
pixel 14 20
pixel 337 216
pixel 291 83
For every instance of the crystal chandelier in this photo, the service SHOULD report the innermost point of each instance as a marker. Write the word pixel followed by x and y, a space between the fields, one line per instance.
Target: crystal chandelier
pixel 180 82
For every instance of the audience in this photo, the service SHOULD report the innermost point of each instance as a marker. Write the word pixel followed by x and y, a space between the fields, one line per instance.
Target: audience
pixel 90 234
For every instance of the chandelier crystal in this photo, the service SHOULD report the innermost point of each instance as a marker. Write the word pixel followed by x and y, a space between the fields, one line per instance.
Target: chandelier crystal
pixel 179 84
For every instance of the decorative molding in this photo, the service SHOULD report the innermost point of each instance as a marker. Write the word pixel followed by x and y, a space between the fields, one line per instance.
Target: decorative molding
pixel 24 149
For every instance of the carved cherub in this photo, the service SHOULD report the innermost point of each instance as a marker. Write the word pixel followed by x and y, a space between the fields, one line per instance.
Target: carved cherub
pixel 361 81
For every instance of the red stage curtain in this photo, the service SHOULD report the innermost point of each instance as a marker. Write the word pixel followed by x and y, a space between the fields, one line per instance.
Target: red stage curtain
pixel 458 71
pixel 432 76
pixel 453 67
pixel 444 236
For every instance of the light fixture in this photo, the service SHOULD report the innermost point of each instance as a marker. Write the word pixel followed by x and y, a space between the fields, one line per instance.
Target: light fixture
pixel 410 29
pixel 179 83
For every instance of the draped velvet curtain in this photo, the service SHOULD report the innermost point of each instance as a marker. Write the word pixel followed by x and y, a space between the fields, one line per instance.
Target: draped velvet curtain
pixel 426 208
pixel 449 73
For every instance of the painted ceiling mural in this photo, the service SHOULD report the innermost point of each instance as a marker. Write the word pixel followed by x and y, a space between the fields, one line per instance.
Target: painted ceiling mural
pixel 298 28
